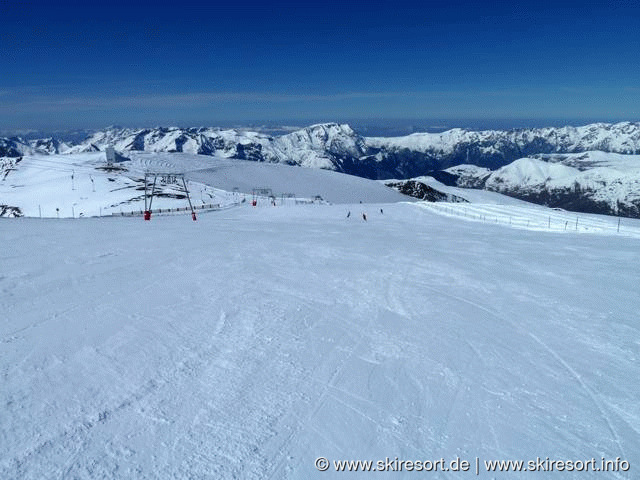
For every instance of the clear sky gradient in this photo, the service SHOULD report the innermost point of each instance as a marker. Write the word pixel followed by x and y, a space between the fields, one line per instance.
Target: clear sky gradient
pixel 71 65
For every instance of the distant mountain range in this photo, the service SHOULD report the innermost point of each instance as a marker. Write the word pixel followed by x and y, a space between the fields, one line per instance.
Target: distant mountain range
pixel 338 147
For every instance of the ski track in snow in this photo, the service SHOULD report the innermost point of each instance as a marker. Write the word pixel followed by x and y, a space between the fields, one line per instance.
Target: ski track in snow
pixel 552 351
pixel 249 343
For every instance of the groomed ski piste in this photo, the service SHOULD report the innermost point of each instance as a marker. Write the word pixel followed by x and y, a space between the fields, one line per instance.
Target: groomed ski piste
pixel 254 341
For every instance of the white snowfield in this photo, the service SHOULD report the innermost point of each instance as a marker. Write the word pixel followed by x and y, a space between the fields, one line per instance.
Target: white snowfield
pixel 79 185
pixel 332 186
pixel 253 341
pixel 73 185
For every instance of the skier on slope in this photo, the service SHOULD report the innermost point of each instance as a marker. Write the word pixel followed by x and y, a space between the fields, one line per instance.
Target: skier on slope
pixel 348 213
pixel 364 216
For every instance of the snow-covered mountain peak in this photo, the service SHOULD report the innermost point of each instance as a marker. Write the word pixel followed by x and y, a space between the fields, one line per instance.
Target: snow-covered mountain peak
pixel 325 134
pixel 529 171
pixel 324 145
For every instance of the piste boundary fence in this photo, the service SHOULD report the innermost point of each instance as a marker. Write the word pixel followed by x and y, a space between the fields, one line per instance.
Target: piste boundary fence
pixel 533 219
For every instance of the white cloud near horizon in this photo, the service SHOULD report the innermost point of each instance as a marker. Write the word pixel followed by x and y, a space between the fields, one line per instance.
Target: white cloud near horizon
pixel 34 105
pixel 185 100
pixel 37 102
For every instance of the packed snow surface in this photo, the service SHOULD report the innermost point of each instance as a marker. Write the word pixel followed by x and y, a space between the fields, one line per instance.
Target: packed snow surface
pixel 251 342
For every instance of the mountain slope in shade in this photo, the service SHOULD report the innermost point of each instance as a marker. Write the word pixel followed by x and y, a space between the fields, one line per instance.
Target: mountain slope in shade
pixel 423 191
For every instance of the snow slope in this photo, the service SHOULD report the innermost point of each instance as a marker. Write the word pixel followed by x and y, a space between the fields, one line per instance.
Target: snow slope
pixel 527 172
pixel 38 185
pixel 80 185
pixel 251 342
pixel 333 187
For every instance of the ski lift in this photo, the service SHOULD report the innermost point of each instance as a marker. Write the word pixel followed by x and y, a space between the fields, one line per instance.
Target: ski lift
pixel 170 178
pixel 263 192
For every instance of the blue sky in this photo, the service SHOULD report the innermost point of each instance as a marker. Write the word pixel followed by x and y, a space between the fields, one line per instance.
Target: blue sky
pixel 72 65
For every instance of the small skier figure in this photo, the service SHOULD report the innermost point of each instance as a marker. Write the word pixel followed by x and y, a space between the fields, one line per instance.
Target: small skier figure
pixel 364 216
pixel 381 212
pixel 349 214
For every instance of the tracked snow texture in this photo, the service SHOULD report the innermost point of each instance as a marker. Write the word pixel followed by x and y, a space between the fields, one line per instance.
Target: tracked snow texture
pixel 249 343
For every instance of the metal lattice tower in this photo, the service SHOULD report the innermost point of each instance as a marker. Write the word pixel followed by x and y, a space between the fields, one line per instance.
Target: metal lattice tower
pixel 165 178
